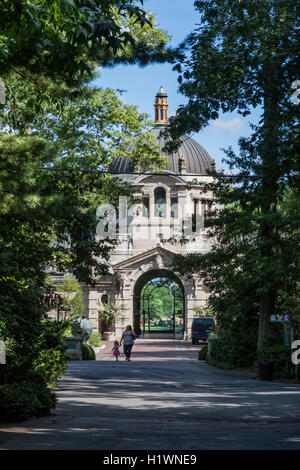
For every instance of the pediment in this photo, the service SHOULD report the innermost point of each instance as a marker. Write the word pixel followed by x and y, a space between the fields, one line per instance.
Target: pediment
pixel 167 179
pixel 156 258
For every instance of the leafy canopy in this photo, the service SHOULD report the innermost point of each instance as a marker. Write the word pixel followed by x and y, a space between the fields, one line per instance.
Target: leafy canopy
pixel 244 55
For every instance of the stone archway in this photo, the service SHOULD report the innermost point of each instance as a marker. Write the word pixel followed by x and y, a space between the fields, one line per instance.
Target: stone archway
pixel 166 323
pixel 124 284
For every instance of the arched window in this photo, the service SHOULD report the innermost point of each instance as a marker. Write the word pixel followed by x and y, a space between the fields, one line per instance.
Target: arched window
pixel 174 207
pixel 160 202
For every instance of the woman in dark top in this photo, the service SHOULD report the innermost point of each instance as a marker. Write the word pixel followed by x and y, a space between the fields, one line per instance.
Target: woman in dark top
pixel 128 336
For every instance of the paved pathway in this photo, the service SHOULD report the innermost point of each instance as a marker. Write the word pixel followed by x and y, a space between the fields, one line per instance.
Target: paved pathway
pixel 164 399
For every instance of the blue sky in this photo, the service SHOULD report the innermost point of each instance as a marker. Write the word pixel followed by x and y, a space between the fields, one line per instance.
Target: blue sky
pixel 178 18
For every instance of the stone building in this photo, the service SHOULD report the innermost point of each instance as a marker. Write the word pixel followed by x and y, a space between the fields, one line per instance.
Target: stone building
pixel 150 233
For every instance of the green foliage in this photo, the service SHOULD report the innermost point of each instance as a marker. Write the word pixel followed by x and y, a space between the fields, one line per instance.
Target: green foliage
pixel 51 362
pixel 20 326
pixel 34 352
pixel 95 127
pixel 47 218
pixel 95 339
pixel 203 311
pixel 203 353
pixel 47 207
pixel 222 65
pixel 31 342
pixel 88 353
pixel 23 400
pixel 51 365
pixel 238 60
pixel 62 39
pixel 280 355
pixel 159 300
pixel 68 331
pixel 108 315
pixel 48 52
pixel 236 347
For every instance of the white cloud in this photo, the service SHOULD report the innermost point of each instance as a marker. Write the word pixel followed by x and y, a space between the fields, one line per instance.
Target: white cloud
pixel 232 126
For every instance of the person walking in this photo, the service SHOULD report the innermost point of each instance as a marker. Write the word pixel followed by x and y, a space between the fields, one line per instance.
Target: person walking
pixel 116 350
pixel 128 337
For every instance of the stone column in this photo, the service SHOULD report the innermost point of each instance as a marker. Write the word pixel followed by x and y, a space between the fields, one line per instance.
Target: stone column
pixel 125 302
pixel 196 295
pixel 93 307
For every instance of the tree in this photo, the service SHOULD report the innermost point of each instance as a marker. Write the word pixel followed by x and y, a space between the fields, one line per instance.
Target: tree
pixel 49 51
pixel 203 311
pixel 161 302
pixel 54 47
pixel 245 55
pixel 56 210
pixel 62 38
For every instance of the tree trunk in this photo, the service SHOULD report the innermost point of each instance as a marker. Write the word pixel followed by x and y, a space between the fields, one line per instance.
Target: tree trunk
pixel 270 176
pixel 266 308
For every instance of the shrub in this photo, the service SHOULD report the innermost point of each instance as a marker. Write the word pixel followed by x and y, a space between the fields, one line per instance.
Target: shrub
pixel 108 316
pixel 281 356
pixel 232 350
pixel 20 327
pixel 23 400
pixel 68 332
pixel 95 339
pixel 203 353
pixel 51 362
pixel 34 351
pixel 88 354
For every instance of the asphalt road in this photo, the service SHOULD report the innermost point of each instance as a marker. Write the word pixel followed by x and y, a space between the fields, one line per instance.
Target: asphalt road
pixel 164 399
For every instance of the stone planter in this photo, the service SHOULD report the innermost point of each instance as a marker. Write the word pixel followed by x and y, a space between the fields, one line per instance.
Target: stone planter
pixel 108 336
pixel 73 348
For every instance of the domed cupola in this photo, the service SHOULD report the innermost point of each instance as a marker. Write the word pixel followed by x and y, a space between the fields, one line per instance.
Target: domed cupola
pixel 189 158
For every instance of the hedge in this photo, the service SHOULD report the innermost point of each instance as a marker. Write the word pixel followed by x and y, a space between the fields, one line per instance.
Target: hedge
pixel 23 400
pixel 203 353
pixel 88 353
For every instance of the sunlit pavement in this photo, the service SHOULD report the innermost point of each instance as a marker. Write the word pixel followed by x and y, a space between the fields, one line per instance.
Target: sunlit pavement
pixel 163 399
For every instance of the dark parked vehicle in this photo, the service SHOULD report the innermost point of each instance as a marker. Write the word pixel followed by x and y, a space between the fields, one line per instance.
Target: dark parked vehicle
pixel 201 328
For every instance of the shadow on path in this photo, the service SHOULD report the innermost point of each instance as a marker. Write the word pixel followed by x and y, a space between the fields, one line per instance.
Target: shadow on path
pixel 163 399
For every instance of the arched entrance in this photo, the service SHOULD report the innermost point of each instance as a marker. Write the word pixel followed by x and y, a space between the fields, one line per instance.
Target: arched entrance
pixel 159 305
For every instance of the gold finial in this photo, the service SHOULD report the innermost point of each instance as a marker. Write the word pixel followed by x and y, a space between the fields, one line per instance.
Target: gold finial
pixel 161 106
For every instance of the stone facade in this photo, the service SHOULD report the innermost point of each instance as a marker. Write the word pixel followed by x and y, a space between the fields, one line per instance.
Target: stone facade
pixel 147 247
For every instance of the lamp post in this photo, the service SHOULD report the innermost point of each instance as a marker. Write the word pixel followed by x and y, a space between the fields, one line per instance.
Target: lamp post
pixel 60 306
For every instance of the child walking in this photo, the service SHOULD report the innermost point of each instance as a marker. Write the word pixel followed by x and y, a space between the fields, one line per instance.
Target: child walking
pixel 116 350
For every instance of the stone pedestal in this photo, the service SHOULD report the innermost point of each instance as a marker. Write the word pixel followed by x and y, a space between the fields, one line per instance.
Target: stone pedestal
pixel 109 336
pixel 210 342
pixel 73 348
